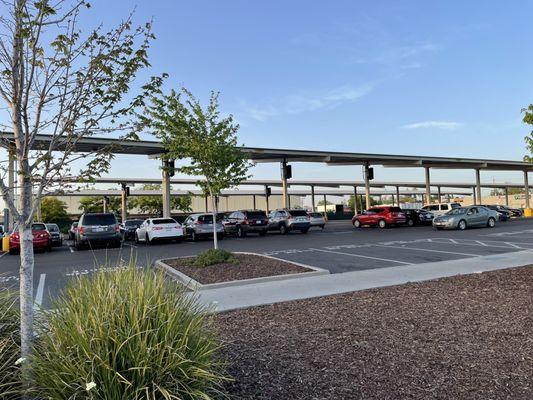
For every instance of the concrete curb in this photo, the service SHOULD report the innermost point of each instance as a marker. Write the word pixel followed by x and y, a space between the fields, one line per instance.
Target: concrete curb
pixel 194 285
pixel 225 299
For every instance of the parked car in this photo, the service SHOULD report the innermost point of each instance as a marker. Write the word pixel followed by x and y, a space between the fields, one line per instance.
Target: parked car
pixel 286 221
pixel 382 217
pixel 41 238
pixel 97 228
pixel 514 212
pixel 243 222
pixel 55 234
pixel 201 226
pixel 466 217
pixel 159 229
pixel 503 214
pixel 317 219
pixel 440 208
pixel 129 227
pixel 72 231
pixel 418 217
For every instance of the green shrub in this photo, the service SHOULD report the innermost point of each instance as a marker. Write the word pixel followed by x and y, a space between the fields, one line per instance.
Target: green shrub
pixel 213 256
pixel 127 334
pixel 10 383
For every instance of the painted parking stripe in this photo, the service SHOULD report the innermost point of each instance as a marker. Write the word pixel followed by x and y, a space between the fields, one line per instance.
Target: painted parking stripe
pixel 487 243
pixel 40 290
pixel 430 250
pixel 361 256
pixel 1 255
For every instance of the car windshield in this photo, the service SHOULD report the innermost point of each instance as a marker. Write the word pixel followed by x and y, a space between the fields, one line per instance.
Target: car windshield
pixel 256 214
pixel 163 221
pixel 457 211
pixel 298 213
pixel 38 227
pixel 99 219
pixel 52 227
pixel 134 222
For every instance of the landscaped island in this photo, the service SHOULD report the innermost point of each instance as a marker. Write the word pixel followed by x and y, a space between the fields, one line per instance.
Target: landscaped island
pixel 466 337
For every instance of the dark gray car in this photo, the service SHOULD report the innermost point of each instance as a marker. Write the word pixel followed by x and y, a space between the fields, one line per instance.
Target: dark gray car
pixel 97 228
pixel 55 234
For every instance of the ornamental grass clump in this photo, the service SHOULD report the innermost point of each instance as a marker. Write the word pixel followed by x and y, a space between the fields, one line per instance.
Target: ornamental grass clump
pixel 212 257
pixel 127 334
pixel 10 362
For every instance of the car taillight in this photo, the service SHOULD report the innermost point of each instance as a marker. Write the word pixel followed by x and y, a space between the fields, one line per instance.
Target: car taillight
pixel 178 226
pixel 245 222
pixel 15 236
pixel 81 230
pixel 157 228
pixel 290 217
pixel 117 228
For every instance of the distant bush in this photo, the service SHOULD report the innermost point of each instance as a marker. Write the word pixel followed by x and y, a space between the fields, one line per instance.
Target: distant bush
pixel 127 334
pixel 10 383
pixel 213 256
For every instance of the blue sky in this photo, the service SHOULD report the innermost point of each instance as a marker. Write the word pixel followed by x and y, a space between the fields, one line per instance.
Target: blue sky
pixel 445 78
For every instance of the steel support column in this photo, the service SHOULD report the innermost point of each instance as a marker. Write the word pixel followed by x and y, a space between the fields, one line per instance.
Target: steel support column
pixel 325 209
pixel 478 187
pixel 284 185
pixel 506 196
pixel 398 195
pixel 313 208
pixel 439 196
pixel 355 200
pixel 165 190
pixel 474 200
pixel 255 206
pixel 367 186
pixel 428 186
pixel 266 199
pixel 526 187
pixel 124 203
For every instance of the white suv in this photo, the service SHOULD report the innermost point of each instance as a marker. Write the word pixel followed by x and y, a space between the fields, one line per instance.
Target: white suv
pixel 158 228
pixel 440 208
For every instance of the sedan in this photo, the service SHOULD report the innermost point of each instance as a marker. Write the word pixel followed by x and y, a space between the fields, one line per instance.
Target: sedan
pixel 129 227
pixel 418 217
pixel 55 234
pixel 158 229
pixel 41 239
pixel 467 217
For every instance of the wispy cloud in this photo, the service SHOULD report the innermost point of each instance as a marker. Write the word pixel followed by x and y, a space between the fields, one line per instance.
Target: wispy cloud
pixel 446 125
pixel 398 54
pixel 301 103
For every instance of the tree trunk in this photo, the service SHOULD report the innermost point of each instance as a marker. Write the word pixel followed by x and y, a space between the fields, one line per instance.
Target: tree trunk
pixel 26 289
pixel 215 212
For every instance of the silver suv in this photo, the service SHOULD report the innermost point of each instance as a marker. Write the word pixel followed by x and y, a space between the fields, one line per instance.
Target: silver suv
pixel 97 228
pixel 198 226
pixel 285 221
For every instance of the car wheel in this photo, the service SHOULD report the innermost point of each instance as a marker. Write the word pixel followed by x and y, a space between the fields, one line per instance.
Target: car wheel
pixel 220 236
pixel 357 223
pixel 262 233
pixel 77 245
pixel 382 224
pixel 12 252
pixel 304 231
pixel 410 223
pixel 491 222
pixel 322 226
pixel 136 238
pixel 147 240
pixel 283 229
pixel 240 232
pixel 461 225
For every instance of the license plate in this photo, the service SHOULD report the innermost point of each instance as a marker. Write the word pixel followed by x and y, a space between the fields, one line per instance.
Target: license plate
pixel 98 229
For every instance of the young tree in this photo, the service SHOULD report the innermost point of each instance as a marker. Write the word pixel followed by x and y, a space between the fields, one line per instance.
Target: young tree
pixel 153 205
pixel 528 119
pixel 209 141
pixel 54 211
pixel 55 80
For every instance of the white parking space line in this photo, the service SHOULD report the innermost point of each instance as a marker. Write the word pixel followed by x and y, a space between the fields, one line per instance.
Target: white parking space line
pixel 40 290
pixel 361 256
pixel 1 255
pixel 71 249
pixel 477 243
pixel 430 250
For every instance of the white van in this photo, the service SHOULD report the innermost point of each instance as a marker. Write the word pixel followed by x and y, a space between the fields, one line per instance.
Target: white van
pixel 440 208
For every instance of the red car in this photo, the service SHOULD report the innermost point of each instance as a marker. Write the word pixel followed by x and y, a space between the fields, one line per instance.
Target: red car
pixel 41 239
pixel 380 216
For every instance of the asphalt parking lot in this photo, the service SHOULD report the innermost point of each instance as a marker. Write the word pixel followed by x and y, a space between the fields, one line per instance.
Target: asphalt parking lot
pixel 339 248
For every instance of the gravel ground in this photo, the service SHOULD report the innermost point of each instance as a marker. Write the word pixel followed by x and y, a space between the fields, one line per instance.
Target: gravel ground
pixel 466 337
pixel 249 266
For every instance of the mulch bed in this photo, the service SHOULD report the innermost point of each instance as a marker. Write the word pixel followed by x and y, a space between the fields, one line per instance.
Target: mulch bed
pixel 466 337
pixel 249 266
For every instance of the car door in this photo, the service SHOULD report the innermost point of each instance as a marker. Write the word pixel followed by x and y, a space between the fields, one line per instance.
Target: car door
pixel 473 216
